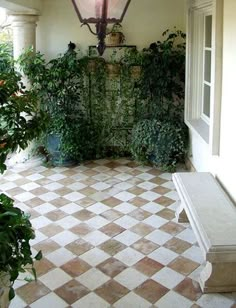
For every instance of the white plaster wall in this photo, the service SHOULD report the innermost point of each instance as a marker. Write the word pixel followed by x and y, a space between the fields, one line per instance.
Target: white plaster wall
pixel 21 5
pixel 143 24
pixel 223 166
pixel 227 162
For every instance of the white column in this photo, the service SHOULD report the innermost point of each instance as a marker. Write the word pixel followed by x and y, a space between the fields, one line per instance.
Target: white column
pixel 24 32
pixel 24 36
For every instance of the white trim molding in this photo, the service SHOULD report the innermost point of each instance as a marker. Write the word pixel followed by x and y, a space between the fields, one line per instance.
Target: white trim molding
pixel 208 130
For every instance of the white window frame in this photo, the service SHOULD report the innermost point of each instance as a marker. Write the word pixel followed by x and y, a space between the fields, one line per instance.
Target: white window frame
pixel 207 128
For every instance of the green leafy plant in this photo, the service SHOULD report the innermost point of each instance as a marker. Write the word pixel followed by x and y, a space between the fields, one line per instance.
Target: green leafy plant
pixel 59 84
pixel 20 122
pixel 163 76
pixel 15 235
pixel 164 143
pixel 160 135
pixel 143 139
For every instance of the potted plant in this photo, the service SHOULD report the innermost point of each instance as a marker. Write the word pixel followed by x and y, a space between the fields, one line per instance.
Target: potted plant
pixel 59 83
pixel 20 122
pixel 116 36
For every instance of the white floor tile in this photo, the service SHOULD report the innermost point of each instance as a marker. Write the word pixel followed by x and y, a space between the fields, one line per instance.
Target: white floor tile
pixel 93 279
pixel 130 278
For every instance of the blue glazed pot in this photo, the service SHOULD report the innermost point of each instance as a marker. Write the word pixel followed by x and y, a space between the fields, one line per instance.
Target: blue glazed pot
pixel 57 158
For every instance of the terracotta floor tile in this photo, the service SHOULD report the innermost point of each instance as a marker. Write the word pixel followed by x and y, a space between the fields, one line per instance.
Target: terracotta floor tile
pixel 140 214
pixel 75 267
pixel 51 229
pixel 189 288
pixel 55 215
pixel 136 190
pixel 43 266
pixel 183 265
pixel 48 172
pixel 164 201
pixel 39 191
pixel 138 201
pixel 166 213
pixel 154 171
pixel 158 181
pixel 88 191
pixel 63 191
pixel 59 202
pixel 112 229
pixel 66 181
pixel 81 229
pixel 112 267
pixel 79 247
pixel 177 245
pixel 90 172
pixel 151 291
pixel 33 214
pixel 111 291
pixel 111 215
pixel 112 247
pixel 72 291
pixel 172 227
pixel 145 246
pixel 161 190
pixel 134 172
pixel 47 246
pixel 112 201
pixel 69 172
pixel 148 266
pixel 34 202
pixel 89 181
pixel 32 291
pixel 15 191
pixel 83 215
pixel 142 229
pixel 85 202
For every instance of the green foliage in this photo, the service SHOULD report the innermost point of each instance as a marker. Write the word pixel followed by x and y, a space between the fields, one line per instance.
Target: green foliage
pixel 163 77
pixel 20 118
pixel 15 235
pixel 163 143
pixel 143 141
pixel 20 122
pixel 59 84
pixel 160 134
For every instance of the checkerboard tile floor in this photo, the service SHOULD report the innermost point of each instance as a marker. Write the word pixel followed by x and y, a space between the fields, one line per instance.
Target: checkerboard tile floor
pixel 109 238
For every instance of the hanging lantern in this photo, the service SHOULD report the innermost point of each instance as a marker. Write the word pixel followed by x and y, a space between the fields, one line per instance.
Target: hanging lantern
pixel 101 13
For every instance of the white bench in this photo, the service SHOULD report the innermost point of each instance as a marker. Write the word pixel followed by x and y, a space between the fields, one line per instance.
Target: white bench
pixel 212 216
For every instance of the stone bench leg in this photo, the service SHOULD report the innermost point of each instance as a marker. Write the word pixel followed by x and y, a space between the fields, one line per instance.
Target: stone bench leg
pixel 180 214
pixel 218 277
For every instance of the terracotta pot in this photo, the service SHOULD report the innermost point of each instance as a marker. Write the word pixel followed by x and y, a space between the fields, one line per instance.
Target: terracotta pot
pixel 2 144
pixel 113 70
pixel 135 71
pixel 115 38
